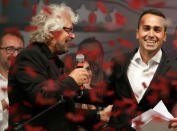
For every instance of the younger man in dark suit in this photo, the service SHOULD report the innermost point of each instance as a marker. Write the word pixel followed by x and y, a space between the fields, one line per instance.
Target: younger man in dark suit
pixel 146 75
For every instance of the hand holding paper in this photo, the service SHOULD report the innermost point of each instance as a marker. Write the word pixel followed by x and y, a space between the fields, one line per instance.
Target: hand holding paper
pixel 173 123
pixel 156 119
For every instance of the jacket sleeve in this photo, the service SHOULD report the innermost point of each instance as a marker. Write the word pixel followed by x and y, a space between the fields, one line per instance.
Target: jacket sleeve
pixel 39 81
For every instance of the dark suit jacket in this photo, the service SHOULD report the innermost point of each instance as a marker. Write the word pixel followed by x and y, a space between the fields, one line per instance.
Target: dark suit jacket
pixel 35 83
pixel 125 104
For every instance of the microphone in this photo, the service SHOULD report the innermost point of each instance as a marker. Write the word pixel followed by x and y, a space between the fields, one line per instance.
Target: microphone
pixel 80 60
pixel 80 64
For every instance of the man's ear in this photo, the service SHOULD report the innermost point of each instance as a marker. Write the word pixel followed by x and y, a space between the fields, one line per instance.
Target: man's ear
pixel 51 35
pixel 51 39
pixel 137 34
pixel 165 37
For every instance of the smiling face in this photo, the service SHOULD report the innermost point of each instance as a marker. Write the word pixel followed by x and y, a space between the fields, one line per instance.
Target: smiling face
pixel 151 33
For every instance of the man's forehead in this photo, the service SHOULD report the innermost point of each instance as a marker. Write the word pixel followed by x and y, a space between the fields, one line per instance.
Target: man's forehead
pixel 67 18
pixel 68 23
pixel 153 20
pixel 11 40
pixel 9 37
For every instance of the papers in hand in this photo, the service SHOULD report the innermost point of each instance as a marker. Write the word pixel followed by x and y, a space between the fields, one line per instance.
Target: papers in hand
pixel 155 119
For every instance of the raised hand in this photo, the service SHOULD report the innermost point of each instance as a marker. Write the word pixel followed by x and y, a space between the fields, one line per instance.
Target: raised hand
pixel 105 114
pixel 80 75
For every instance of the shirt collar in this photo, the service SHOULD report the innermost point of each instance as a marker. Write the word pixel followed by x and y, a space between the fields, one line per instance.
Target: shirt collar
pixel 156 58
pixel 2 77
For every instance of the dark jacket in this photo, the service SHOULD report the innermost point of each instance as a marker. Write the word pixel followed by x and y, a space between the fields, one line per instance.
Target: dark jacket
pixel 161 88
pixel 35 84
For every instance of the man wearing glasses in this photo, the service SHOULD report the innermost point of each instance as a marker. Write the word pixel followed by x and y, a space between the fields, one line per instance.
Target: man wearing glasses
pixel 11 44
pixel 36 80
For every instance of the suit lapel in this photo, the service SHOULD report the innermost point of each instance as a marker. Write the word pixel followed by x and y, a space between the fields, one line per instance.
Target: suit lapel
pixel 129 88
pixel 161 71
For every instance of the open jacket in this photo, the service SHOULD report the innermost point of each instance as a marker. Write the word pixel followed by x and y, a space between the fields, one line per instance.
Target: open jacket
pixel 125 104
pixel 36 82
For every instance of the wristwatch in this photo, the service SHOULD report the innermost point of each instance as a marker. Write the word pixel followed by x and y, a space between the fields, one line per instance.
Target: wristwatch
pixel 98 115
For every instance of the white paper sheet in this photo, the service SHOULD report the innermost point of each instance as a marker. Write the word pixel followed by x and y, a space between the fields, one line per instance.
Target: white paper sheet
pixel 150 124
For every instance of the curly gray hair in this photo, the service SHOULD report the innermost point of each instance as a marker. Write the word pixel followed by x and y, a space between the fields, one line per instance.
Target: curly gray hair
pixel 46 22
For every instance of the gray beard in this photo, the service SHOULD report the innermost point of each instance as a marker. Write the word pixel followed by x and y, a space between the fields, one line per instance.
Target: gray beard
pixel 61 51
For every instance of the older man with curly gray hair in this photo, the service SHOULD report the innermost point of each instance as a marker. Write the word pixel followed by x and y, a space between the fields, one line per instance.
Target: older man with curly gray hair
pixel 51 21
pixel 40 97
pixel 53 18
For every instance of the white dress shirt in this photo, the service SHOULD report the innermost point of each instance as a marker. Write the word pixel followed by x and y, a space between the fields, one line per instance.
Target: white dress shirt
pixel 140 74
pixel 3 95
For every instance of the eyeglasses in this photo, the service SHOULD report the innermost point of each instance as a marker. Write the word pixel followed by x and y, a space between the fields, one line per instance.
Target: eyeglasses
pixel 11 49
pixel 68 30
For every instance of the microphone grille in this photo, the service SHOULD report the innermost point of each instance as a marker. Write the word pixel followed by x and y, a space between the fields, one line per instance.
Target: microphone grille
pixel 80 57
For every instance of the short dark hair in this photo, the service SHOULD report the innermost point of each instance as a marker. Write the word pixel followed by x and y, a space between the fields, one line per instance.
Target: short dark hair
pixel 90 40
pixel 15 33
pixel 154 12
